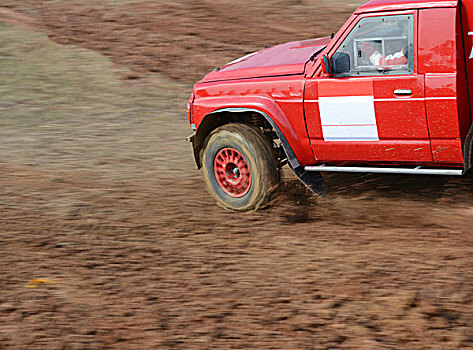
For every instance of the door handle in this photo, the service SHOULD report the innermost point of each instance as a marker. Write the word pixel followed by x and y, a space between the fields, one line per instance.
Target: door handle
pixel 403 92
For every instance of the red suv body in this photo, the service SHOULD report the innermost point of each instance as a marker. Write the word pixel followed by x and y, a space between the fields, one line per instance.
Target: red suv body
pixel 389 93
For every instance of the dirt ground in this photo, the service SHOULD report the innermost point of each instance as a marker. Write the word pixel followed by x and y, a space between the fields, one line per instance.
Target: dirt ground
pixel 110 241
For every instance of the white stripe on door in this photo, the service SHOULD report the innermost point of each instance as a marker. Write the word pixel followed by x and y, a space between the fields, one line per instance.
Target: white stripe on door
pixel 348 118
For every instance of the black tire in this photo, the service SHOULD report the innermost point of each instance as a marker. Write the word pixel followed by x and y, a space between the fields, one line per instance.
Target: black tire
pixel 260 161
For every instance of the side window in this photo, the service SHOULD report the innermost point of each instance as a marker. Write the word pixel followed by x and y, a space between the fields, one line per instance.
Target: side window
pixel 377 46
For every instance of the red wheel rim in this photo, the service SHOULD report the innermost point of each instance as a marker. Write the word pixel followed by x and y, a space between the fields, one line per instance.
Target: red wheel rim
pixel 232 172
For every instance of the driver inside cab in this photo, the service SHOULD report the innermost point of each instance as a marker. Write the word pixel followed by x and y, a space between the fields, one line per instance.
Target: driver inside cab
pixel 376 58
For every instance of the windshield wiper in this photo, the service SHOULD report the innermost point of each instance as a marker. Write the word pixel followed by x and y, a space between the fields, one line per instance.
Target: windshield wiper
pixel 316 53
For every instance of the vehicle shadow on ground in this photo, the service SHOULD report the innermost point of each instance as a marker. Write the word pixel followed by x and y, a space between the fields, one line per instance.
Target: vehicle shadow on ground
pixel 377 200
pixel 410 187
pixel 293 202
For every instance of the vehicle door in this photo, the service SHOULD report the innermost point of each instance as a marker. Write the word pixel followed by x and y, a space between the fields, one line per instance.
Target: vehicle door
pixel 372 108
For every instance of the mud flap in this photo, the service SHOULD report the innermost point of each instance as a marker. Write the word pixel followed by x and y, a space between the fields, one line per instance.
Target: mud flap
pixel 313 180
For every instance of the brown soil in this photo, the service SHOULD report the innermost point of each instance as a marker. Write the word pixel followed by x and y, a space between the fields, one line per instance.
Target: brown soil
pixel 137 256
pixel 183 40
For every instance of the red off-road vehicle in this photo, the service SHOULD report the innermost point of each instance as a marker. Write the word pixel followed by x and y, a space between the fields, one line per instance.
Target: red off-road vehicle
pixel 389 93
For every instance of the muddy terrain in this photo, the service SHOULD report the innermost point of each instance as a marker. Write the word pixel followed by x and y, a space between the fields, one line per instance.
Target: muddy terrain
pixel 110 241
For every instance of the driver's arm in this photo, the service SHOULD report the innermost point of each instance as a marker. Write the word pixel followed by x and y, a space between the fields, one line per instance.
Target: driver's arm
pixel 377 58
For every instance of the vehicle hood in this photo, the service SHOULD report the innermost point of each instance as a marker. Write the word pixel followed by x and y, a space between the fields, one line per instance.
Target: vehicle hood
pixel 284 59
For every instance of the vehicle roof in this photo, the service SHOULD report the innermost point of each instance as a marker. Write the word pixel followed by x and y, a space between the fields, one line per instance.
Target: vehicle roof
pixel 390 5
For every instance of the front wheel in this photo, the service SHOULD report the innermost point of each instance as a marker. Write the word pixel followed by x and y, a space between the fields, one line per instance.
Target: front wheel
pixel 239 167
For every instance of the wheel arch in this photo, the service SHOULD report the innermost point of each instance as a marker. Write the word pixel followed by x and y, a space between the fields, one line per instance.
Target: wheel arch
pixel 228 115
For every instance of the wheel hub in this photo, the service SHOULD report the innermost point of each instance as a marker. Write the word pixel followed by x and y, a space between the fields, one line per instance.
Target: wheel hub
pixel 232 172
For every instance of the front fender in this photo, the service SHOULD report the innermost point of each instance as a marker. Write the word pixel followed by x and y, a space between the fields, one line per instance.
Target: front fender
pixel 291 157
pixel 291 132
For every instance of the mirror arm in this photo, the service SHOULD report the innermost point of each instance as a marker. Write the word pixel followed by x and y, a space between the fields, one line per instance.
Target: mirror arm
pixel 326 65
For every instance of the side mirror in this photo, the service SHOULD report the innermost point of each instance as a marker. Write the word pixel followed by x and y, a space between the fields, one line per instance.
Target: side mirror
pixel 326 65
pixel 341 63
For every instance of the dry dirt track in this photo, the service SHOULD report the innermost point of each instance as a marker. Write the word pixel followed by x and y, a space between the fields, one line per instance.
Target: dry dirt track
pixel 183 40
pixel 115 216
